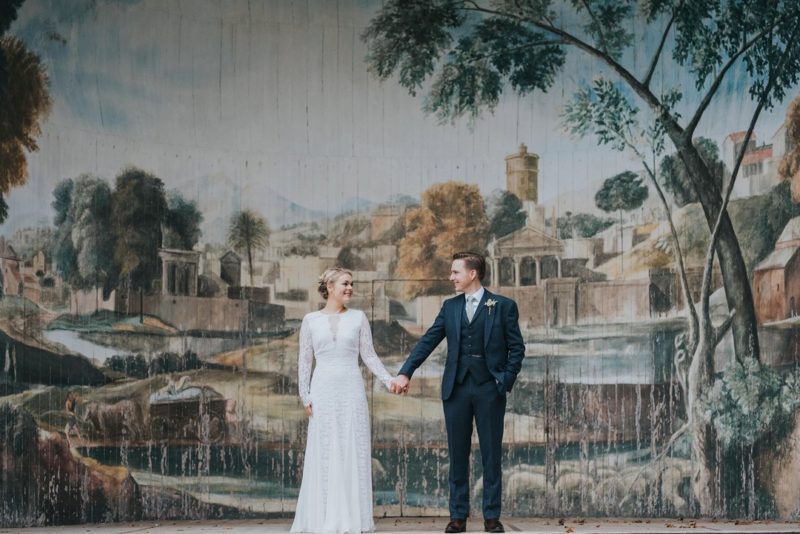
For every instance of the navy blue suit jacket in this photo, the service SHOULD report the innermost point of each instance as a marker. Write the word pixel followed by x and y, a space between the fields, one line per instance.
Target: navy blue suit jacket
pixel 504 347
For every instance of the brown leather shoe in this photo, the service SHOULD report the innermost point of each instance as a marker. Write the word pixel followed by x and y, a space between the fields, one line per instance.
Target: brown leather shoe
pixel 456 525
pixel 493 525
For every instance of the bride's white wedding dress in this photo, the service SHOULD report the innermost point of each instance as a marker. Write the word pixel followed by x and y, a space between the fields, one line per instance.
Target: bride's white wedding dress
pixel 336 492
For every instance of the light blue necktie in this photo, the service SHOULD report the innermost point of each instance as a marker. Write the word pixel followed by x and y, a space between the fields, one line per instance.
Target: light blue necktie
pixel 471 305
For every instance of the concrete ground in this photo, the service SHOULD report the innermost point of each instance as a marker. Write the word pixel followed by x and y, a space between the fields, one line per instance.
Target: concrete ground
pixel 436 525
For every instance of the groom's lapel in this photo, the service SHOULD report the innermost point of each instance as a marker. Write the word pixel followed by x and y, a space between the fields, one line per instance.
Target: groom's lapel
pixel 490 313
pixel 458 310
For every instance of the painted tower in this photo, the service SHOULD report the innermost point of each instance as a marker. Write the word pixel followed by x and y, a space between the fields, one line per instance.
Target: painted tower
pixel 522 174
pixel 522 179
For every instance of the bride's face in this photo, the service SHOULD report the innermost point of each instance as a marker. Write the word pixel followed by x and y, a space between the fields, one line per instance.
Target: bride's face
pixel 341 289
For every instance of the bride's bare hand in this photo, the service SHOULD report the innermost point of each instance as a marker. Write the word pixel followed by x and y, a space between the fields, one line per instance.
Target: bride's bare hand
pixel 309 411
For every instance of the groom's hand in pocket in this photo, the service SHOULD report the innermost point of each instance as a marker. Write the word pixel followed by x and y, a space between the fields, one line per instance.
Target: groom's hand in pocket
pixel 309 411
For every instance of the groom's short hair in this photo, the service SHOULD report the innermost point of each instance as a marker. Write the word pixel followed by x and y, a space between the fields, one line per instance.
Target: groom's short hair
pixel 472 260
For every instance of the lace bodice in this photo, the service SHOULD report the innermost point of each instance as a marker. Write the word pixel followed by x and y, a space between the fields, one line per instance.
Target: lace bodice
pixel 335 341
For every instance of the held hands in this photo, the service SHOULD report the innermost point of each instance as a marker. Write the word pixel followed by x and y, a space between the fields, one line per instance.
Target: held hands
pixel 399 384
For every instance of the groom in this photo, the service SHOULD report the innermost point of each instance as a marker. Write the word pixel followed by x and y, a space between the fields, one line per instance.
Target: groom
pixel 484 355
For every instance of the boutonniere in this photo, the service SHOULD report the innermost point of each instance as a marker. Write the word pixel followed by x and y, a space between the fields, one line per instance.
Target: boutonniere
pixel 490 304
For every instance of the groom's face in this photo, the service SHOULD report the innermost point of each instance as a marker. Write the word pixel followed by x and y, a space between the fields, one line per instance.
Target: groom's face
pixel 462 277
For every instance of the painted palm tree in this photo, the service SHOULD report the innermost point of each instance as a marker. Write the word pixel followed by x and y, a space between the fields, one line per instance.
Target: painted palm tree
pixel 248 232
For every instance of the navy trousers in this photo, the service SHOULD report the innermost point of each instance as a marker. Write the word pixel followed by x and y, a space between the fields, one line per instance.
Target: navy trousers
pixel 483 404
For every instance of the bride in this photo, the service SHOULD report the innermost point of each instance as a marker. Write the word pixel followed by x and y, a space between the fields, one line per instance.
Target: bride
pixel 336 492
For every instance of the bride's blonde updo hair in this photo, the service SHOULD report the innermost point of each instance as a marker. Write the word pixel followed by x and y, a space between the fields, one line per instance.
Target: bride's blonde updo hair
pixel 330 275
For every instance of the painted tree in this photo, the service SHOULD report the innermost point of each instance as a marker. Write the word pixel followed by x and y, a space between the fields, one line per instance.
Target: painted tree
pixel 451 217
pixel 605 111
pixel 24 103
pixel 622 192
pixel 577 225
pixel 476 49
pixel 90 218
pixel 248 232
pixel 348 259
pixel 182 224
pixel 507 215
pixel 675 177
pixel 8 13
pixel 65 257
pixel 139 209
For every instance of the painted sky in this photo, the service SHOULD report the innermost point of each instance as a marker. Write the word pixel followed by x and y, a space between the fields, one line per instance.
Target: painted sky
pixel 238 102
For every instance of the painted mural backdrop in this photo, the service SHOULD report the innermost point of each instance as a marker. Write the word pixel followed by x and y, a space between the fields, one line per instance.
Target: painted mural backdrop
pixel 176 174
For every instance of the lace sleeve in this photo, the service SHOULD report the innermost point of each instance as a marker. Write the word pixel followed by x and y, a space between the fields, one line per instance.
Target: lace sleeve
pixel 304 360
pixel 368 355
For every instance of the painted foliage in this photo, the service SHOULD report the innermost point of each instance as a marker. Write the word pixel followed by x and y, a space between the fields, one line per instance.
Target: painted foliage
pixel 176 176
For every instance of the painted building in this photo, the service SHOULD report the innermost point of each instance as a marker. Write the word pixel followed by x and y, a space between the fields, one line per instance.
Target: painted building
pixel 178 302
pixel 524 258
pixel 522 179
pixel 776 279
pixel 230 268
pixel 11 265
pixel 41 284
pixel 179 272
pixel 758 172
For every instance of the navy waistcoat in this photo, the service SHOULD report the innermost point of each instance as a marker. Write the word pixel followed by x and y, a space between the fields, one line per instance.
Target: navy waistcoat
pixel 472 345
